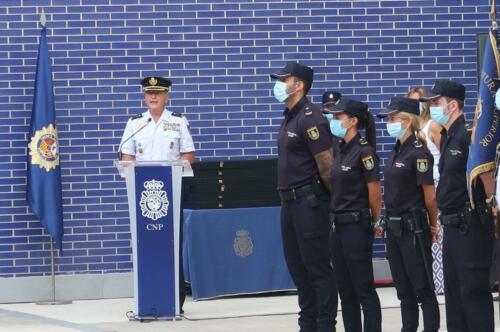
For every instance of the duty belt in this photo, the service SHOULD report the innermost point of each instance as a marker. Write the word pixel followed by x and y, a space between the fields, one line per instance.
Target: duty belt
pixel 407 222
pixel 349 217
pixel 466 216
pixel 296 193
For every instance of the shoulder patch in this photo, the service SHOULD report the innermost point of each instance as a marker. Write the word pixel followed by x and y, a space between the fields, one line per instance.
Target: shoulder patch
pixel 177 114
pixel 368 163
pixel 137 116
pixel 313 133
pixel 422 165
pixel 308 111
pixel 363 141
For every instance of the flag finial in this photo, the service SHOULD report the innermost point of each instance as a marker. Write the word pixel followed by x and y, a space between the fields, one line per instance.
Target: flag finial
pixel 43 18
pixel 493 15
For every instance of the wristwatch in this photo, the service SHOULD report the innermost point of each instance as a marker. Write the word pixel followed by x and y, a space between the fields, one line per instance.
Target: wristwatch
pixel 379 223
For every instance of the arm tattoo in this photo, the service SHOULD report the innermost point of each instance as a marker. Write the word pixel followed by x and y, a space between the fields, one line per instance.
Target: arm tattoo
pixel 324 161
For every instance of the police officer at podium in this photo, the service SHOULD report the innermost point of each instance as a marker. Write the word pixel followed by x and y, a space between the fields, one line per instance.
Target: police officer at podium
pixel 355 210
pixel 159 134
pixel 304 164
pixel 467 243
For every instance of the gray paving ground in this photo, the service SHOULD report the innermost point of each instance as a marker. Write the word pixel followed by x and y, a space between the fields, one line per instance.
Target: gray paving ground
pixel 274 313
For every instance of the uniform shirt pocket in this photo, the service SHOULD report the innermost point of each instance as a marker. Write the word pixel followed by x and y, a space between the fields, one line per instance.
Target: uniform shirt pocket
pixel 171 139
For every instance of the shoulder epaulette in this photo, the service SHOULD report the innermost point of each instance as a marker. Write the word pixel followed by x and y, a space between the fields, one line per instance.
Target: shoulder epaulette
pixel 177 114
pixel 137 116
pixel 469 126
pixel 363 141
pixel 308 111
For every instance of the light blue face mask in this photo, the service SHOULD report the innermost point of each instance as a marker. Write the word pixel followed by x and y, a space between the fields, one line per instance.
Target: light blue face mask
pixel 395 129
pixel 337 129
pixel 328 116
pixel 497 100
pixel 437 114
pixel 280 91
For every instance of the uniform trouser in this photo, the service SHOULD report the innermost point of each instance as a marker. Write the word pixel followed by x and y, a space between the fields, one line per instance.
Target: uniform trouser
pixel 305 235
pixel 412 286
pixel 182 284
pixel 351 247
pixel 466 261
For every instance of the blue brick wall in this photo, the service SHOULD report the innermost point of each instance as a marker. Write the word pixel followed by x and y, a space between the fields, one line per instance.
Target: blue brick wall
pixel 219 55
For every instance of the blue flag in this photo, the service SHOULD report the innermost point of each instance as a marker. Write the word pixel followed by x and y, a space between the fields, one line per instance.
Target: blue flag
pixel 44 172
pixel 485 134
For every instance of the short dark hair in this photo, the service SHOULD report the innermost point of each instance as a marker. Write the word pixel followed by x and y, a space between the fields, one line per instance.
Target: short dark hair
pixel 307 84
pixel 459 102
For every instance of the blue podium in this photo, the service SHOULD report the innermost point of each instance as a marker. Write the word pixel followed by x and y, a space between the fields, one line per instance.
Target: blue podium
pixel 154 194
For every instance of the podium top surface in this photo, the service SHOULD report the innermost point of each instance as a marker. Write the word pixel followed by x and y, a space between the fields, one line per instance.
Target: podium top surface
pixel 187 170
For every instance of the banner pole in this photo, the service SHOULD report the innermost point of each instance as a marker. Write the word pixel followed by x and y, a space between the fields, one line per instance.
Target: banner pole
pixel 53 280
pixel 52 270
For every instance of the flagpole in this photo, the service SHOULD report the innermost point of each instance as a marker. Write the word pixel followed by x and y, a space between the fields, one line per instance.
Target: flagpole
pixel 53 300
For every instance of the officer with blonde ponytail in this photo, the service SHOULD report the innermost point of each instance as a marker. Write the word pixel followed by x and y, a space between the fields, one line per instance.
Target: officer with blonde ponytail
pixel 411 215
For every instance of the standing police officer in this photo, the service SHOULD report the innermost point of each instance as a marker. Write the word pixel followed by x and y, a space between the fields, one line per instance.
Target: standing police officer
pixel 158 134
pixel 304 163
pixel 355 203
pixel 410 202
pixel 467 244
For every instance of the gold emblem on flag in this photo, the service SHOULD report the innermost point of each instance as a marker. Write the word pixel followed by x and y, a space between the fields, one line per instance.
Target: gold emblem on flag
pixel 422 165
pixel 44 148
pixel 313 133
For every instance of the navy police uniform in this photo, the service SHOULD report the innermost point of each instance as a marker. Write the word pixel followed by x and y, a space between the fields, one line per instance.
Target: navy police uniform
pixel 467 242
pixel 304 213
pixel 410 165
pixel 355 164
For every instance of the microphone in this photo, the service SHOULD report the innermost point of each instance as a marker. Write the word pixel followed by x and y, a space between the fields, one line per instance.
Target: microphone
pixel 130 137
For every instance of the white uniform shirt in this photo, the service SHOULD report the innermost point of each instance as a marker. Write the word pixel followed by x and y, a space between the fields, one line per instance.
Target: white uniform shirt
pixel 163 140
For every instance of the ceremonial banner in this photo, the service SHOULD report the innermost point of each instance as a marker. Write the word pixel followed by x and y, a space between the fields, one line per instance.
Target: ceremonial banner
pixel 44 172
pixel 485 134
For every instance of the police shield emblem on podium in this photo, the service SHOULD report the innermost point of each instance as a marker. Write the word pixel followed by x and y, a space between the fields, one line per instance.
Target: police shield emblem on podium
pixel 243 245
pixel 154 201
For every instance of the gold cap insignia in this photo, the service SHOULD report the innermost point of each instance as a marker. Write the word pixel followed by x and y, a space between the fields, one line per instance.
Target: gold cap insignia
pixel 153 81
